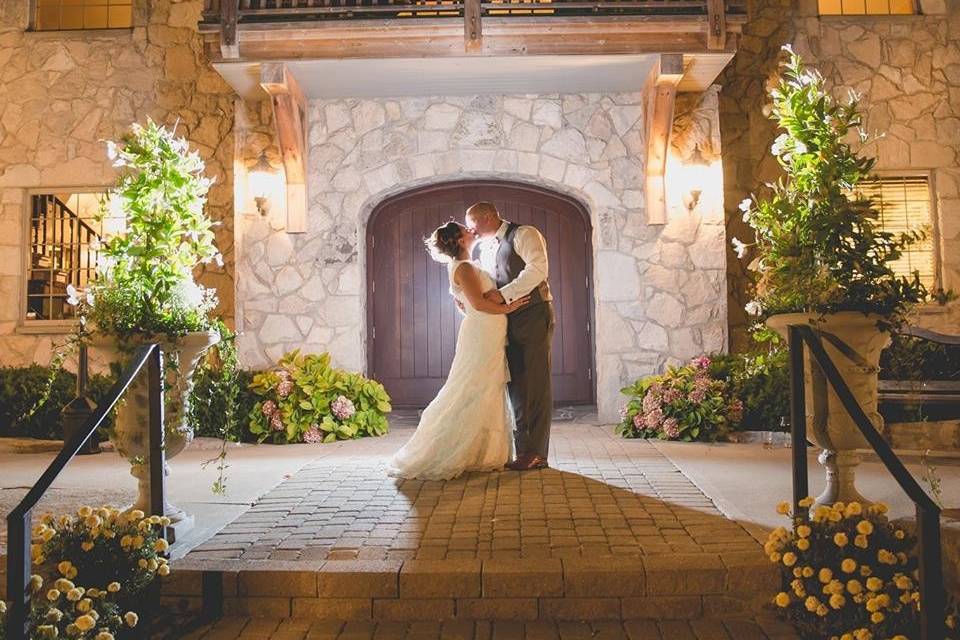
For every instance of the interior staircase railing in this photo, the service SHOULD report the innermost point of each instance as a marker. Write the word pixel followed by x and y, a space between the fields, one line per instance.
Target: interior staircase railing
pixel 932 598
pixel 19 520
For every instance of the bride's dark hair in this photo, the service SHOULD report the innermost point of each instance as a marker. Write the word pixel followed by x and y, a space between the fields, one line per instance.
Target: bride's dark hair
pixel 444 243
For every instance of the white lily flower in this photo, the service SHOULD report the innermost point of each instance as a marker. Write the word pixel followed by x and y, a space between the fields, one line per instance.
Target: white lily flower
pixel 72 296
pixel 745 204
pixel 739 247
pixel 111 149
pixel 787 47
pixel 753 308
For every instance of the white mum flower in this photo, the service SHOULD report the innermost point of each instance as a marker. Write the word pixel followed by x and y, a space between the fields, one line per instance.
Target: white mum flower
pixel 753 308
pixel 745 204
pixel 778 145
pixel 72 296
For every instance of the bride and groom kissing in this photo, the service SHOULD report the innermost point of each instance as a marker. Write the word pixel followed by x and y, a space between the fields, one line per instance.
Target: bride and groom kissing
pixel 496 400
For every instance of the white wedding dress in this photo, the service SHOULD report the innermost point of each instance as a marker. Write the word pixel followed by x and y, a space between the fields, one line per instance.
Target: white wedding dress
pixel 469 425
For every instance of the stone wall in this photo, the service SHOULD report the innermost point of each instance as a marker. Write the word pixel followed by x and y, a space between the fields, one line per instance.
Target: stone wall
pixel 65 92
pixel 907 68
pixel 658 289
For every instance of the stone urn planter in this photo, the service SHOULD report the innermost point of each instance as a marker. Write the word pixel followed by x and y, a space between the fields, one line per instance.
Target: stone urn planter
pixel 130 434
pixel 856 353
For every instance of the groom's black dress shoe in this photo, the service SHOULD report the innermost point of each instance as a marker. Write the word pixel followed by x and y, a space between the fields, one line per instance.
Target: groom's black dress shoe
pixel 527 463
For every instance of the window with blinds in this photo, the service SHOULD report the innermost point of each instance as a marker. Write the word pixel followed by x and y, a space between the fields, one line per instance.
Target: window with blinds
pixel 904 205
pixel 64 15
pixel 867 7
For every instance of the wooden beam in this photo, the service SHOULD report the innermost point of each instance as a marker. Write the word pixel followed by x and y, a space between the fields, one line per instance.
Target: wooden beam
pixel 716 25
pixel 229 15
pixel 500 36
pixel 666 76
pixel 290 120
pixel 473 29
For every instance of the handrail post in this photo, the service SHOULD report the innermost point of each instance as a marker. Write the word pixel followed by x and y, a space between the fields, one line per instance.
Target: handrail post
pixel 932 601
pixel 157 459
pixel 798 419
pixel 18 575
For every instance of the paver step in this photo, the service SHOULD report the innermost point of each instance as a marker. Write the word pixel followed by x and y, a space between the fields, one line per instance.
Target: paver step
pixel 675 586
pixel 286 629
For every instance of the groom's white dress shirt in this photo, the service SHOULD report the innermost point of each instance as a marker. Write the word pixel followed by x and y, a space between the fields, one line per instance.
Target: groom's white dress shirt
pixel 529 245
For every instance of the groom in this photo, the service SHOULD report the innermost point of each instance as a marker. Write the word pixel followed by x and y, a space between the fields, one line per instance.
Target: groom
pixel 516 257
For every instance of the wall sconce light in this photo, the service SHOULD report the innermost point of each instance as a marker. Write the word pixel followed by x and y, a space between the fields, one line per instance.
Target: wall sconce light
pixel 260 179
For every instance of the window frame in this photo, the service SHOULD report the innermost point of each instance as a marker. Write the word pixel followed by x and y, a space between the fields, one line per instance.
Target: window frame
pixel 32 7
pixel 917 11
pixel 930 176
pixel 25 325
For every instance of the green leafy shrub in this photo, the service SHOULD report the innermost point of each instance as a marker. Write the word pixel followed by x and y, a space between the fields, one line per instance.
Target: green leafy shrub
pixel 909 358
pixel 307 400
pixel 761 381
pixel 685 403
pixel 22 388
pixel 818 248
pixel 221 398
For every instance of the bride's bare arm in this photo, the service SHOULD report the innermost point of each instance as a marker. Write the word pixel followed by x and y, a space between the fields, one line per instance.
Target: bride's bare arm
pixel 468 280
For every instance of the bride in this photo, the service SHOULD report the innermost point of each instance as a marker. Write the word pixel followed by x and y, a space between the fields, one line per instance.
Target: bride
pixel 469 425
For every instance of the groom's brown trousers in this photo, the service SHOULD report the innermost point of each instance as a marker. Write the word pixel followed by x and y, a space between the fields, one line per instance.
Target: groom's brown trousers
pixel 530 340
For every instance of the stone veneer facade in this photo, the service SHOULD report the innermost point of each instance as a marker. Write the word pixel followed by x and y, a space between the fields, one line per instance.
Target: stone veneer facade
pixel 64 92
pixel 907 68
pixel 658 289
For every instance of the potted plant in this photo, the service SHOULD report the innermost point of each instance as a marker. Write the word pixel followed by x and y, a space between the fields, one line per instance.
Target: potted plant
pixel 145 289
pixel 820 257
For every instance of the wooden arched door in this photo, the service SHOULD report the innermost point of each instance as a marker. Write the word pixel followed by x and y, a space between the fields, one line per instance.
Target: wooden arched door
pixel 412 321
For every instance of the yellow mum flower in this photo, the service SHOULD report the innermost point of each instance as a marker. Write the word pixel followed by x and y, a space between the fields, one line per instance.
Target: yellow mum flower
pixel 137 542
pixel 834 586
pixel 837 601
pixel 847 636
pixel 804 531
pixel 903 582
pixel 854 586
pixel 84 605
pixel 884 600
pixel 104 635
pixel 152 565
pixel 131 618
pixel 899 534
pixel 53 595
pixel 113 587
pixel 899 637
pixel 902 557
pixel 797 572
pixel 782 599
pixel 835 516
pixel 861 541
pixel 862 634
pixel 806 502
pixel 164 521
pixel 807 572
pixel 821 513
pixel 825 575
pixel 873 605
pixel 865 570
pixel 840 539
pixel 48 535
pixel 163 571
pixel 783 508
pixel 874 584
pixel 142 563
pixel 905 598
pixel 865 527
pixel 822 610
pixel 63 584
pixel 789 558
pixel 849 565
pixel 811 603
pixel 803 544
pixel 85 623
pixel 86 546
pixel 136 514
pixel 74 594
pixel 92 521
pixel 853 509
pixel 84 511
pixel 876 617
pixel 64 567
pixel 161 545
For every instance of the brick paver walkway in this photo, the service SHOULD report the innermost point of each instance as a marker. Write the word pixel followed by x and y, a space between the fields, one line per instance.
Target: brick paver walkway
pixel 704 629
pixel 603 496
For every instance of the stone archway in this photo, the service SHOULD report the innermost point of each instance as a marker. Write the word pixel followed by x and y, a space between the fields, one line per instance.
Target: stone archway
pixel 411 321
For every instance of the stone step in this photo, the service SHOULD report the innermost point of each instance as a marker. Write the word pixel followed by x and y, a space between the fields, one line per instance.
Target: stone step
pixel 677 586
pixel 230 628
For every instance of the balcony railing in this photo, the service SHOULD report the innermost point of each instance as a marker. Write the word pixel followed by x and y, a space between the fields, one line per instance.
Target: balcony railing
pixel 264 11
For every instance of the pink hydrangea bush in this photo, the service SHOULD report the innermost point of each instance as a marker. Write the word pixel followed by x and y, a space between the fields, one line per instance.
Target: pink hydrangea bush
pixel 684 403
pixel 305 399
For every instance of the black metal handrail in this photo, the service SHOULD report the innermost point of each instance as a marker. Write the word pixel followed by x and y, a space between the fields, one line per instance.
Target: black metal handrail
pixel 932 601
pixel 19 519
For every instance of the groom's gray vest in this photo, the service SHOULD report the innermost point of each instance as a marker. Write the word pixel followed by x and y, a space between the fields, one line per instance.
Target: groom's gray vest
pixel 510 264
